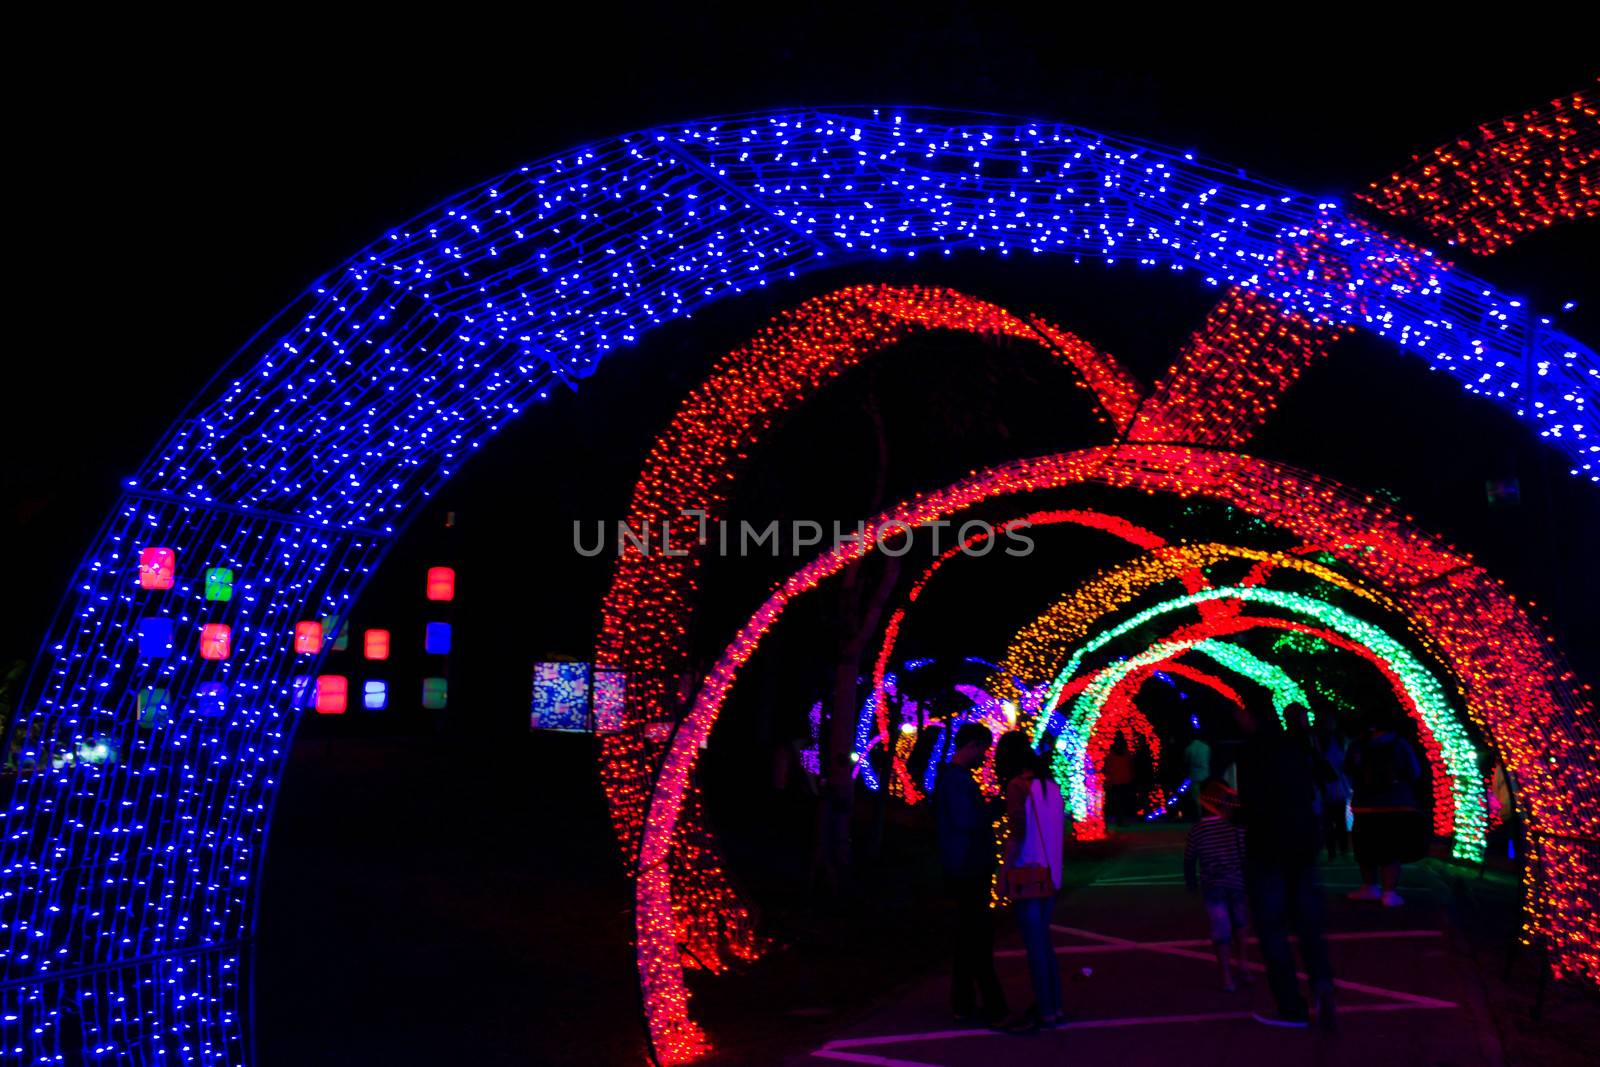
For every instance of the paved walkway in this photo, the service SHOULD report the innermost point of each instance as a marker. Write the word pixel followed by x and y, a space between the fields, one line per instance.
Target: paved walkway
pixel 1141 986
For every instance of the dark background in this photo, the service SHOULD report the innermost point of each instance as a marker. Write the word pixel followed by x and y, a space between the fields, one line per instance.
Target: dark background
pixel 183 182
pixel 183 186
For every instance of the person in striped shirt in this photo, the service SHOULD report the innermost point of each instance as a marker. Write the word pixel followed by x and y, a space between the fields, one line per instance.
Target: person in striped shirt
pixel 1213 864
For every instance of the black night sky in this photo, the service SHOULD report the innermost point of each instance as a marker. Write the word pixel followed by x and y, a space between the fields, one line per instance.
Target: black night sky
pixel 191 191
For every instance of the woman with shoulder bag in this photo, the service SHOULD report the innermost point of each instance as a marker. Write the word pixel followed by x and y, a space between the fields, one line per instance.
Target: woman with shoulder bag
pixel 1030 871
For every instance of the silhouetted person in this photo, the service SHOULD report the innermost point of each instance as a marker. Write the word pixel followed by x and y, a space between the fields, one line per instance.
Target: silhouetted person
pixel 1279 808
pixel 1213 865
pixel 1033 867
pixel 1118 779
pixel 967 854
pixel 1389 826
pixel 1334 786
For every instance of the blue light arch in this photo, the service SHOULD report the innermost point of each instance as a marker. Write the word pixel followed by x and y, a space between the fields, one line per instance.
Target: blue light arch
pixel 128 881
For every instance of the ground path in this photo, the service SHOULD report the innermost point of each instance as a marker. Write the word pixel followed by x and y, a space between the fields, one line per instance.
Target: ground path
pixel 1141 986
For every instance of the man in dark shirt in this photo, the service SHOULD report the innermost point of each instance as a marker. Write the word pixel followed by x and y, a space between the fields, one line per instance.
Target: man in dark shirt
pixel 967 854
pixel 1279 806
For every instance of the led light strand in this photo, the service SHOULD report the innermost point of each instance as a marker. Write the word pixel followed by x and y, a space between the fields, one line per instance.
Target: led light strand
pixel 1038 650
pixel 1459 754
pixel 1448 775
pixel 358 401
pixel 682 491
pixel 1506 179
pixel 1515 681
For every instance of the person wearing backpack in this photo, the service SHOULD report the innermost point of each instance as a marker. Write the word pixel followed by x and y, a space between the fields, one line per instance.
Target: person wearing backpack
pixel 1389 825
pixel 1032 870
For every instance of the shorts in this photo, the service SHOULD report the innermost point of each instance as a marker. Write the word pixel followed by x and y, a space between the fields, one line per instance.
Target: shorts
pixel 1385 837
pixel 1225 908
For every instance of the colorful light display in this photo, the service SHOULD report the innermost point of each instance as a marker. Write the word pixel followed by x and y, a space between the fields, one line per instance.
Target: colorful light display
pixel 436 638
pixel 1285 691
pixel 331 694
pixel 153 707
pixel 905 785
pixel 610 700
pixel 1036 653
pixel 307 637
pixel 1515 685
pixel 1042 647
pixel 684 485
pixel 157 568
pixel 375 644
pixel 1232 372
pixel 441 583
pixel 219 584
pixel 155 638
pixel 1505 179
pixel 216 640
pixel 365 395
pixel 1282 687
pixel 1111 524
pixel 560 697
pixel 1458 809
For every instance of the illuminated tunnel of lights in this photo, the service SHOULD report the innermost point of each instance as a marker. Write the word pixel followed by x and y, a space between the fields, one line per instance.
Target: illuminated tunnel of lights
pixel 1024 654
pixel 1458 789
pixel 298 465
pixel 1502 660
pixel 1455 777
pixel 1040 649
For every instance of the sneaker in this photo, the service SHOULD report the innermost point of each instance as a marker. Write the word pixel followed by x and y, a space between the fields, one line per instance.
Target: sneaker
pixel 1366 892
pixel 1290 1022
pixel 1051 1022
pixel 1391 899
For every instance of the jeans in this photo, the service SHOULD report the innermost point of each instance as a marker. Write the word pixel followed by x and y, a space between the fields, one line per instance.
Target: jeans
pixel 973 983
pixel 1225 910
pixel 1286 896
pixel 1033 918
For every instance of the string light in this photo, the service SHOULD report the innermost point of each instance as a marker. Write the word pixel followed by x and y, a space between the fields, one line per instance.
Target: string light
pixel 1516 686
pixel 364 396
pixel 1232 372
pixel 1416 686
pixel 1285 693
pixel 1038 650
pixel 1452 758
pixel 1112 524
pixel 683 490
pixel 1505 179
